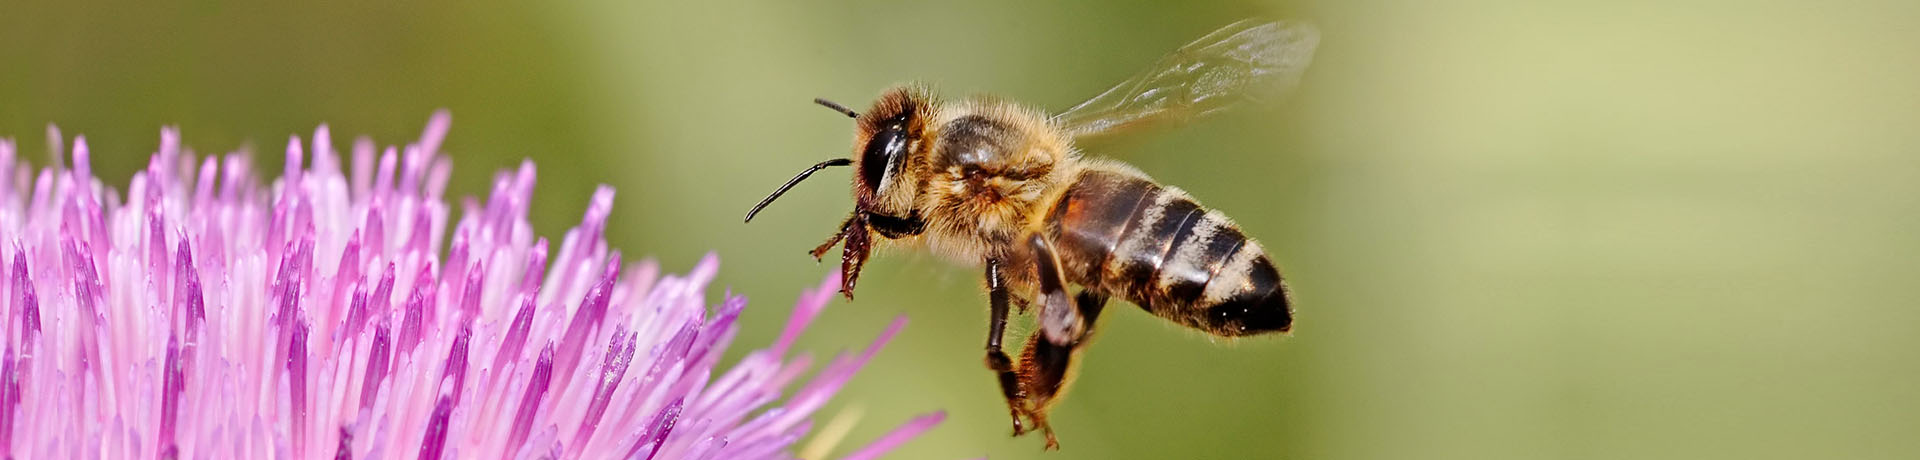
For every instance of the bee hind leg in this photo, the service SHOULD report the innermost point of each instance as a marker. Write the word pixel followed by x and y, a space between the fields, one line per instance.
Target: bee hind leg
pixel 1046 368
pixel 1047 362
pixel 1060 321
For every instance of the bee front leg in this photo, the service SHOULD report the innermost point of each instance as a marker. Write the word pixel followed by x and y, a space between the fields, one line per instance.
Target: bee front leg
pixel 853 256
pixel 996 357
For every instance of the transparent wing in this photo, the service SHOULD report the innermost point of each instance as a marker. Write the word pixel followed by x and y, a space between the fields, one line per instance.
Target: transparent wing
pixel 1250 60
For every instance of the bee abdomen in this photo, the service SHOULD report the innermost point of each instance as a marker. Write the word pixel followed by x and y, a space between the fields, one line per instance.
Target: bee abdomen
pixel 1158 248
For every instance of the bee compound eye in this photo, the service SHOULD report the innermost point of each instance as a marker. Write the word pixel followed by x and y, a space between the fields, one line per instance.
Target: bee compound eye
pixel 881 156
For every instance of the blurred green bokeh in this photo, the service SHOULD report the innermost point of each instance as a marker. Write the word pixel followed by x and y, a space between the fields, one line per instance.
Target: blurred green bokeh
pixel 1625 229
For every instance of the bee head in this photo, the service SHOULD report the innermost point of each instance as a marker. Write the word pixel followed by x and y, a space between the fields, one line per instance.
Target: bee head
pixel 888 141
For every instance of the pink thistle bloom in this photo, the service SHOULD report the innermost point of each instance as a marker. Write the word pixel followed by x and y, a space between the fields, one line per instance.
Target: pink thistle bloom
pixel 207 316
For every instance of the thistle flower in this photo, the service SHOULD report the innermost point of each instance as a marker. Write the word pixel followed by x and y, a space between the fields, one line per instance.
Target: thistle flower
pixel 207 316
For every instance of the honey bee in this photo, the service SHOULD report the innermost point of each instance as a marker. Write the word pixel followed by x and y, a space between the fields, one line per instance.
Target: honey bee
pixel 999 184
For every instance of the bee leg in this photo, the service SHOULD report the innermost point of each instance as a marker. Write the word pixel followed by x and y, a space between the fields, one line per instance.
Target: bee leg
pixel 996 357
pixel 820 251
pixel 853 256
pixel 1060 322
pixel 1046 367
pixel 1064 327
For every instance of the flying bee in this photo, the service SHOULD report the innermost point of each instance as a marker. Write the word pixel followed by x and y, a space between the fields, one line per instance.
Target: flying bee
pixel 990 182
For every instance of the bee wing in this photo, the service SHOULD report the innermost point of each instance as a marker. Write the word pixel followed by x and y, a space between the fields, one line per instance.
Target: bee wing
pixel 1250 60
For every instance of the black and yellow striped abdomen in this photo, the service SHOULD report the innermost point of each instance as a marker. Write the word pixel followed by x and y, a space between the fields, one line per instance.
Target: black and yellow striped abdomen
pixel 1123 235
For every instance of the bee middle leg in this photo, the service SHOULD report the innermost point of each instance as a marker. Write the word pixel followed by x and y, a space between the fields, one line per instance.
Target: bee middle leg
pixel 997 359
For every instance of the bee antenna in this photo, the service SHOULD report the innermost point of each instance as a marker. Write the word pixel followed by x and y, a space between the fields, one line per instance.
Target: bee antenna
pixel 837 107
pixel 796 180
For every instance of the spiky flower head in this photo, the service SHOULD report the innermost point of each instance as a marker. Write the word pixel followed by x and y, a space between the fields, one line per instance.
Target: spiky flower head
pixel 204 315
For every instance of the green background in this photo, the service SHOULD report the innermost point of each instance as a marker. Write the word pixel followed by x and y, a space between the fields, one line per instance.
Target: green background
pixel 1603 229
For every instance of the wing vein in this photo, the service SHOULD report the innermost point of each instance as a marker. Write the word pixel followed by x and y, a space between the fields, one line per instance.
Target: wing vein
pixel 1250 60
